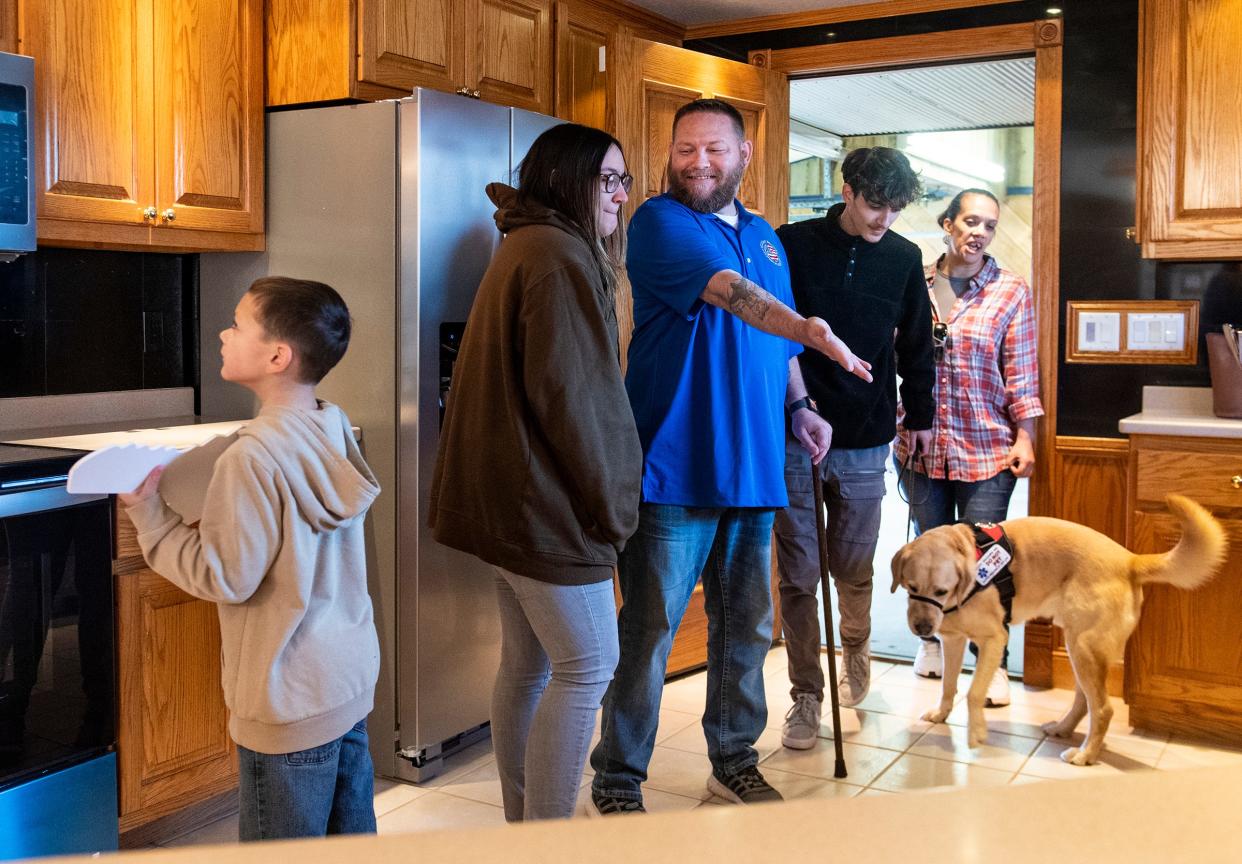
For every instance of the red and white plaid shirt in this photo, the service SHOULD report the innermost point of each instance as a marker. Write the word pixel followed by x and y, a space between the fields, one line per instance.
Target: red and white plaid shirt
pixel 987 377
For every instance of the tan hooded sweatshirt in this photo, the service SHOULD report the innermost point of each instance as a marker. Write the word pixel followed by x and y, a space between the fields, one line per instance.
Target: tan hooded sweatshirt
pixel 280 548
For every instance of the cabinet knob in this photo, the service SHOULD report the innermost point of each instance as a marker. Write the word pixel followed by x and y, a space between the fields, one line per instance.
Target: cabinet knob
pixel 1236 480
pixel 149 213
pixel 169 215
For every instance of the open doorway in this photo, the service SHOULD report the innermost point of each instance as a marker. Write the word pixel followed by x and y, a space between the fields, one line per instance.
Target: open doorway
pixel 963 125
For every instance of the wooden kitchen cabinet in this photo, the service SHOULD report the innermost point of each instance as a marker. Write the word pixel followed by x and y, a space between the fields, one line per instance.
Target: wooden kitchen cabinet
pixel 321 50
pixel 1190 129
pixel 1183 671
pixel 149 122
pixel 174 754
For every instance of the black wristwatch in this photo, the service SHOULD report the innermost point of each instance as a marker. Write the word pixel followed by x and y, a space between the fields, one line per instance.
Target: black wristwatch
pixel 804 402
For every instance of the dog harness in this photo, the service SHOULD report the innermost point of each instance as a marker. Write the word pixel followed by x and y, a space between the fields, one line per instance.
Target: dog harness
pixel 993 555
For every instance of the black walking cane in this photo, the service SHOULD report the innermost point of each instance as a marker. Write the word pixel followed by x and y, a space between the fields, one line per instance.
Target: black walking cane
pixel 821 532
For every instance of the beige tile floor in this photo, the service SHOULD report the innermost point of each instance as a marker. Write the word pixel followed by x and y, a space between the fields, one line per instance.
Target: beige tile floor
pixel 887 750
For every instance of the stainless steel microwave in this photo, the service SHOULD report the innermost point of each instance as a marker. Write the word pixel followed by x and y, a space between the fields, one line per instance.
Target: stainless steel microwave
pixel 17 182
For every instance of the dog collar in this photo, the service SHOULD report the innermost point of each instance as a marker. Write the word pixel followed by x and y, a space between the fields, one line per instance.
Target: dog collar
pixel 993 555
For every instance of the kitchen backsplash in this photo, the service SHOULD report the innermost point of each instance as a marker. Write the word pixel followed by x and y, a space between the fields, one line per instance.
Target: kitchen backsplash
pixel 84 321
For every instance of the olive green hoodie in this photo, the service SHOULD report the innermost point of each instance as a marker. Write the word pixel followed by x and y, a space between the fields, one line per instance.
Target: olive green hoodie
pixel 540 467
pixel 280 550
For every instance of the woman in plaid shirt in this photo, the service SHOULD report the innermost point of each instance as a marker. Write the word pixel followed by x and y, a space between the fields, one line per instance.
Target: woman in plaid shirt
pixel 987 392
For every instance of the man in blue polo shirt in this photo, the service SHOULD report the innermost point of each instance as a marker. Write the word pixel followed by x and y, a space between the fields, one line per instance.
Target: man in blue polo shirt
pixel 711 366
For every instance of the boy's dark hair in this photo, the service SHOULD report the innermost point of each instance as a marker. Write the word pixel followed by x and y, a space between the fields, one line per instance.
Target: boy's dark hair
pixel 712 106
pixel 308 315
pixel 955 206
pixel 882 175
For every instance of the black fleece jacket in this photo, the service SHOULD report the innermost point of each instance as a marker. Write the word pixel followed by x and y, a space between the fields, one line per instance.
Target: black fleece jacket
pixel 540 468
pixel 865 291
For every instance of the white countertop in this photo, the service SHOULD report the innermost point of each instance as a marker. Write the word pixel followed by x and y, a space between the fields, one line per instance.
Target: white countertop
pixel 180 437
pixel 1179 411
pixel 1158 816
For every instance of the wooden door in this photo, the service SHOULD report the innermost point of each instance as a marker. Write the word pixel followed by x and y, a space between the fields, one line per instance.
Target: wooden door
pixel 405 44
pixel 1184 663
pixel 208 74
pixel 650 81
pixel 509 53
pixel 1190 129
pixel 585 44
pixel 93 111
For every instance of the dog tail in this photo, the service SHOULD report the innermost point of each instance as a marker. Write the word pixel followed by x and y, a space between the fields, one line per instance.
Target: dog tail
pixel 1197 555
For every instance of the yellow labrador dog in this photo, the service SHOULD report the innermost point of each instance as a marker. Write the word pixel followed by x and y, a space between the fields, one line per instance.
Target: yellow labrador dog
pixel 1086 583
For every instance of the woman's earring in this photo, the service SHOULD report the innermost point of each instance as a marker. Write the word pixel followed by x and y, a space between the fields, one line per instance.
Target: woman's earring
pixel 946 239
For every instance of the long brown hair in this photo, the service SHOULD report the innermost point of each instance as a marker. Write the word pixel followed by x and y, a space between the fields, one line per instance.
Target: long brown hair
pixel 562 171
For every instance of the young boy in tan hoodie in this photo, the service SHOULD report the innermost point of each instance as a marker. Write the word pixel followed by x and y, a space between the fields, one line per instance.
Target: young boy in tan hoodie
pixel 280 550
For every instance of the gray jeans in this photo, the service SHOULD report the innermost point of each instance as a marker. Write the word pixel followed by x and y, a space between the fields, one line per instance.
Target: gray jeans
pixel 558 652
pixel 853 484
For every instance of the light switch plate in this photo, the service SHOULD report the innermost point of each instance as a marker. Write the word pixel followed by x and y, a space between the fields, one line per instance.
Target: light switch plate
pixel 1132 331
pixel 1099 331
pixel 1155 331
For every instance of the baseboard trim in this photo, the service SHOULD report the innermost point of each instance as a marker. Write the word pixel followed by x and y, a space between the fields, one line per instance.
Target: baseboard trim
pixel 183 821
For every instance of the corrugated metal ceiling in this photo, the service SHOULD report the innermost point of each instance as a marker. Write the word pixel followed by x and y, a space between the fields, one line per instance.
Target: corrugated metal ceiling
pixel 930 99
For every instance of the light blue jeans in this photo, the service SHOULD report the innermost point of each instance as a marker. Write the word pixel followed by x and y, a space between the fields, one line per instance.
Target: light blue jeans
pixel 557 655
pixel 327 789
pixel 732 548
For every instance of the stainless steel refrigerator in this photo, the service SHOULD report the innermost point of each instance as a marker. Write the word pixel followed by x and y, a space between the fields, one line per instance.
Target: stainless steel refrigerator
pixel 385 202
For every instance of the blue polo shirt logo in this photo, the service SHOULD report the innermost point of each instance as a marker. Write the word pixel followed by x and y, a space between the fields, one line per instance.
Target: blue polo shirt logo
pixel 770 251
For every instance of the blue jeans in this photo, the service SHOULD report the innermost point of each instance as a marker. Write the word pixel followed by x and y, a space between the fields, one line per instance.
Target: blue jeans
pixel 731 549
pixel 557 654
pixel 937 502
pixel 324 790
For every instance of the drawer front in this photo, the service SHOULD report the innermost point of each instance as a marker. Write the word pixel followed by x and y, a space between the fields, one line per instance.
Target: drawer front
pixel 1212 479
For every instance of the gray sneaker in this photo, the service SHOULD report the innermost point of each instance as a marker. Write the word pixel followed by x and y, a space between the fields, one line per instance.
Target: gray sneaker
pixel 745 787
pixel 802 722
pixel 855 677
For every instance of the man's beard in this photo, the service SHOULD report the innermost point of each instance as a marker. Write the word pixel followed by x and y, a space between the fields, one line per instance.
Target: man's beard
pixel 723 193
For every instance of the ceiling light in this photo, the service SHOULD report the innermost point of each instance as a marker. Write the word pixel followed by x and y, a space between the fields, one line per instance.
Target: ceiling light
pixel 1053 10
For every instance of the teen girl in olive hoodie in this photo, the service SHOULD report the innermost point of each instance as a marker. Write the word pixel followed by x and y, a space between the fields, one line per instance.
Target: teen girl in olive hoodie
pixel 540 466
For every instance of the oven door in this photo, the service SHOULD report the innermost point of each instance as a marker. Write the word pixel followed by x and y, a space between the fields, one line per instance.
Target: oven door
pixel 57 673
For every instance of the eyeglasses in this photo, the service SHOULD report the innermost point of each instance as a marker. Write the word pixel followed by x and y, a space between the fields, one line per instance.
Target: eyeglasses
pixel 610 182
pixel 942 340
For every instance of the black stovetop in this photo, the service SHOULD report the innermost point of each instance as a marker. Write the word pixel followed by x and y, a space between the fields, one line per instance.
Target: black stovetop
pixel 19 462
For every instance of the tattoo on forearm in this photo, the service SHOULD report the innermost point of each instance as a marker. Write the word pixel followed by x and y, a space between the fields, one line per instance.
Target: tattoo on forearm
pixel 747 300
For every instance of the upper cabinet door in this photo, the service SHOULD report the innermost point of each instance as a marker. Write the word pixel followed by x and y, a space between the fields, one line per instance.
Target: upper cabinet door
pixel 585 43
pixel 208 74
pixel 509 53
pixel 92 109
pixel 410 43
pixel 1190 129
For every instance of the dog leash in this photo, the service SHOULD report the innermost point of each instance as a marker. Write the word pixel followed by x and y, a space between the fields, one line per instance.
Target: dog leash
pixel 906 487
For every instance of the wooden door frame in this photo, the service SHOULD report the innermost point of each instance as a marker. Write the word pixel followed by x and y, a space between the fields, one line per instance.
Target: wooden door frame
pixel 1043 39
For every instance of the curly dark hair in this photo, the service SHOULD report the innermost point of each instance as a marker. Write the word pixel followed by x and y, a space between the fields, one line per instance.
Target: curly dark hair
pixel 882 175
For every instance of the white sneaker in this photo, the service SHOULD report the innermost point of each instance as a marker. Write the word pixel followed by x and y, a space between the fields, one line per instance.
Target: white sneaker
pixel 998 690
pixel 802 723
pixel 855 679
pixel 929 661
